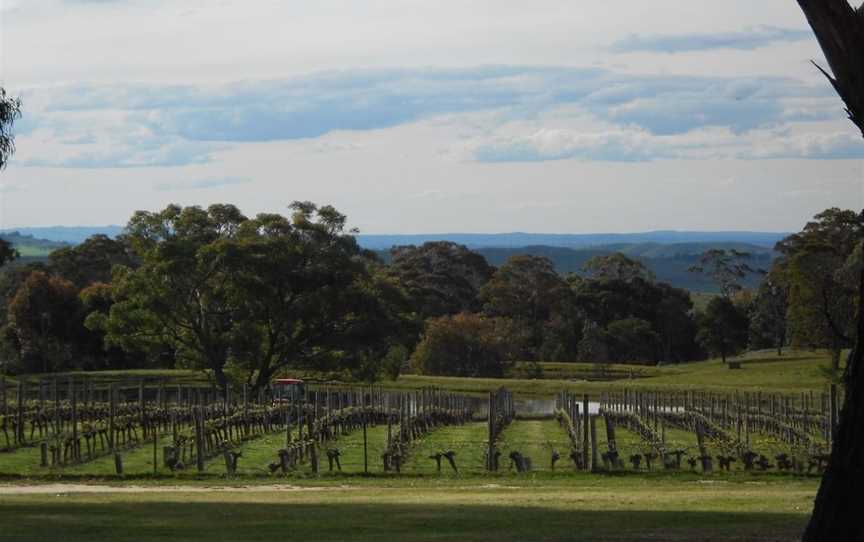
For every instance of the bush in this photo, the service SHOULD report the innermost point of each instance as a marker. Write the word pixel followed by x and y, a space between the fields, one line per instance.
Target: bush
pixel 465 345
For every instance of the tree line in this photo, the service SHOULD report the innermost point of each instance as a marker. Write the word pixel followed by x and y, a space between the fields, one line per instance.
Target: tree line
pixel 249 297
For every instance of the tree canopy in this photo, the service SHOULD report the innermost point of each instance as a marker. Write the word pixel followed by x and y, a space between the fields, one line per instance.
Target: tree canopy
pixel 251 296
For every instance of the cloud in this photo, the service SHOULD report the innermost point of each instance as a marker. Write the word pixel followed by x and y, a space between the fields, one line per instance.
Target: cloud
pixel 556 144
pixel 636 145
pixel 200 184
pixel 175 125
pixel 747 40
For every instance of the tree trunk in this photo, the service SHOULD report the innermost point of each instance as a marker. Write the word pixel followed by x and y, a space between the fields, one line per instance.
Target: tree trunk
pixel 221 378
pixel 836 511
pixel 835 359
pixel 836 515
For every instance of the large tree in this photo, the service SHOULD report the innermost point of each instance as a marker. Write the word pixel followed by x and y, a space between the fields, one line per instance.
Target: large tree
pixel 840 30
pixel 46 322
pixel 309 297
pixel 441 278
pixel 234 295
pixel 603 301
pixel 528 290
pixel 723 328
pixel 617 266
pixel 769 315
pixel 91 261
pixel 465 345
pixel 821 292
pixel 726 267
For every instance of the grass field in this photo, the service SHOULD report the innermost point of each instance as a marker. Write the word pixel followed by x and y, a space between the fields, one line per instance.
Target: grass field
pixel 32 251
pixel 588 508
pixel 795 371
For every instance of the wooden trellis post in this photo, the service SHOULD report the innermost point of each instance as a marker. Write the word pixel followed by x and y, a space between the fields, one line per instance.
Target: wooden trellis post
pixel 112 408
pixel 586 415
pixel 19 433
pixel 490 449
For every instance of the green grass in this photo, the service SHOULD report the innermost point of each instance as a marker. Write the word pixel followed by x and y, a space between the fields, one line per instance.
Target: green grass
pixel 468 441
pixel 592 508
pixel 556 370
pixel 31 251
pixel 535 439
pixel 171 376
pixel 795 371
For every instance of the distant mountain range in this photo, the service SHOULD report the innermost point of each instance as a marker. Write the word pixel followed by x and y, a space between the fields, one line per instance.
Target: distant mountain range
pixel 66 234
pixel 574 240
pixel 77 234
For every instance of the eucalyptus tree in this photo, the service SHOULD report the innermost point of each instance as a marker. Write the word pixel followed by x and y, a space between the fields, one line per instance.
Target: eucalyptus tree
pixel 839 27
pixel 727 267
pixel 441 277
pixel 821 290
pixel 248 297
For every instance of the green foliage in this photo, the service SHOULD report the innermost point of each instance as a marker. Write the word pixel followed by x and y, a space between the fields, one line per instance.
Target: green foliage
pixel 253 295
pixel 7 252
pixel 594 346
pixel 440 278
pixel 465 345
pixel 768 322
pixel 396 358
pixel 633 340
pixel 45 321
pixel 727 268
pixel 91 261
pixel 666 309
pixel 723 328
pixel 822 289
pixel 617 266
pixel 528 291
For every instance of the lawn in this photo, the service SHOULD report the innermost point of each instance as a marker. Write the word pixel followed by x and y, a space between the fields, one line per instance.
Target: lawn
pixel 589 508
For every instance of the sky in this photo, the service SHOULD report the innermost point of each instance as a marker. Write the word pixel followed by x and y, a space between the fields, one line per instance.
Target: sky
pixel 415 116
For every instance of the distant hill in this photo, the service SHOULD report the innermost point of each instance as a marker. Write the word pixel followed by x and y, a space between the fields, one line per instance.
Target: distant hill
pixel 67 234
pixel 29 246
pixel 512 240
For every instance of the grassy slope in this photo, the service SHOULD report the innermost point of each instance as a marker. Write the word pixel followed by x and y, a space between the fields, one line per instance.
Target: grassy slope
pixel 794 372
pixel 33 251
pixel 615 509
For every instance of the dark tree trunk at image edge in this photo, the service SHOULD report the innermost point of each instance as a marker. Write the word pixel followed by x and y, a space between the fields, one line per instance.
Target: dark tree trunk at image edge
pixel 836 514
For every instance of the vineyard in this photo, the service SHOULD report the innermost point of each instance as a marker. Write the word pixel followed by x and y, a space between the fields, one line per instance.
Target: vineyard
pixel 80 428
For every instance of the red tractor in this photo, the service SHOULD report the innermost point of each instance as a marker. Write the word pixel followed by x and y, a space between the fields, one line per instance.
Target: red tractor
pixel 288 390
